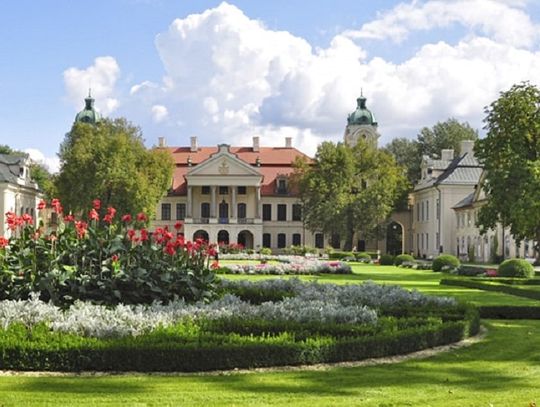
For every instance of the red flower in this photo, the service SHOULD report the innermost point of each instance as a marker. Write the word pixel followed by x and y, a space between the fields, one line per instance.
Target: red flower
pixel 126 218
pixel 96 204
pixel 81 227
pixel 214 265
pixel 169 249
pixel 144 235
pixel 3 242
pixel 56 205
pixel 41 205
pixel 131 234
pixel 141 217
pixel 69 218
pixel 36 235
pixel 178 225
pixel 93 215
pixel 115 258
pixel 13 221
pixel 27 219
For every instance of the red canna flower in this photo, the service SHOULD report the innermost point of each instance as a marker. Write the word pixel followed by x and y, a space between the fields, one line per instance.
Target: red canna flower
pixel 169 249
pixel 214 265
pixel 141 217
pixel 41 205
pixel 96 204
pixel 69 218
pixel 144 235
pixel 115 258
pixel 81 228
pixel 56 205
pixel 126 218
pixel 93 215
pixel 131 234
pixel 27 219
pixel 178 225
pixel 3 242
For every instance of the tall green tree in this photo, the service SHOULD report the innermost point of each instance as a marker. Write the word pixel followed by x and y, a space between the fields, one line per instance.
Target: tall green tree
pixel 348 190
pixel 510 153
pixel 109 161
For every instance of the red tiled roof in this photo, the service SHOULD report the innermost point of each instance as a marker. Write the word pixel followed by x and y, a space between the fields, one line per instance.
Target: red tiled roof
pixel 273 161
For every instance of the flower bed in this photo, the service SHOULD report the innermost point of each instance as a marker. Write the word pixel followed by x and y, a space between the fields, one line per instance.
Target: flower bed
pixel 289 265
pixel 310 323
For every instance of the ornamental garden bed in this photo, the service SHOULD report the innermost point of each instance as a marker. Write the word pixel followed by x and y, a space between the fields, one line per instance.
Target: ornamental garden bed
pixel 305 323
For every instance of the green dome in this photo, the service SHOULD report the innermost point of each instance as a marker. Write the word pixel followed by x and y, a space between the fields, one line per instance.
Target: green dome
pixel 361 115
pixel 89 113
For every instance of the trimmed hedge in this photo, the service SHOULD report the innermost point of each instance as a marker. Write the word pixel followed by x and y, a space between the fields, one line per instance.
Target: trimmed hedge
pixel 401 258
pixel 234 343
pixel 516 268
pixel 445 261
pixel 486 286
pixel 53 352
pixel 386 260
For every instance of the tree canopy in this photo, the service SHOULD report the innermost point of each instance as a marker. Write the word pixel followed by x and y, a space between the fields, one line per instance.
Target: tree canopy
pixel 348 190
pixel 510 154
pixel 109 162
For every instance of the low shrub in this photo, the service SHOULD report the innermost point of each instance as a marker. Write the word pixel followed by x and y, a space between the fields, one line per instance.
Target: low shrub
pixel 266 251
pixel 300 250
pixel 362 257
pixel 470 270
pixel 339 255
pixel 445 262
pixel 401 258
pixel 386 260
pixel 516 268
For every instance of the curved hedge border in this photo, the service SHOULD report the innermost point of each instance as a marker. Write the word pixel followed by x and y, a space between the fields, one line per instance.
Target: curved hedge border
pixel 164 351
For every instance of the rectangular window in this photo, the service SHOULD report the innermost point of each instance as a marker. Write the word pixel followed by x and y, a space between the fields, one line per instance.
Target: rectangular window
pixel 241 210
pixel 438 209
pixel 267 240
pixel 427 241
pixel 418 212
pixel 267 212
pixel 437 241
pixel 427 210
pixel 281 241
pixel 223 190
pixel 281 186
pixel 296 239
pixel 205 210
pixel 205 190
pixel 319 240
pixel 297 212
pixel 282 212
pixel 165 211
pixel 242 190
pixel 422 211
pixel 180 211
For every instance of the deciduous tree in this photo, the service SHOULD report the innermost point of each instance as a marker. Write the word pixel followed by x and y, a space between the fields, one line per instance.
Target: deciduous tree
pixel 109 161
pixel 510 153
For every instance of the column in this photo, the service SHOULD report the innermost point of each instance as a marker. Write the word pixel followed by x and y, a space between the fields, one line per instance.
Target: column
pixel 233 201
pixel 258 202
pixel 213 201
pixel 189 206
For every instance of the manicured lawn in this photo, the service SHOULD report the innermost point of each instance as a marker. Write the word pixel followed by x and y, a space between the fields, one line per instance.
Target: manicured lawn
pixel 502 370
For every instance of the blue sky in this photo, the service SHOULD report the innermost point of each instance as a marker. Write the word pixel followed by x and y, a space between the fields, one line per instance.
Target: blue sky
pixel 226 72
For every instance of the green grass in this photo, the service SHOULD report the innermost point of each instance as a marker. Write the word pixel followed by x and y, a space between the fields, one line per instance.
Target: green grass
pixel 502 370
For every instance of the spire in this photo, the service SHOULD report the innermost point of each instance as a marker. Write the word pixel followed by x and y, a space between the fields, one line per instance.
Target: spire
pixel 89 100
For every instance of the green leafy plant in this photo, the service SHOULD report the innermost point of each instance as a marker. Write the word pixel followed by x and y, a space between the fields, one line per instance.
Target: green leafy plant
pixel 401 258
pixel 516 268
pixel 445 262
pixel 386 260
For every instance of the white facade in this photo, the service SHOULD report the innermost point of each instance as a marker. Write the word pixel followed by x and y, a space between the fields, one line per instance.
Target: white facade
pixel 18 193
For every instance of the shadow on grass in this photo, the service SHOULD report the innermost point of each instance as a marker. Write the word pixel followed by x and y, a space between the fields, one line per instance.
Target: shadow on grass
pixel 493 365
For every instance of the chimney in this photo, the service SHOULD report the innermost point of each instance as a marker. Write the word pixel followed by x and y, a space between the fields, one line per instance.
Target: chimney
pixel 256 143
pixel 161 142
pixel 288 142
pixel 194 146
pixel 467 146
pixel 447 154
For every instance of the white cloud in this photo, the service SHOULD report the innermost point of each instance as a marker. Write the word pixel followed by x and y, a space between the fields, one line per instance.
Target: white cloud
pixel 159 113
pixel 101 77
pixel 501 20
pixel 229 78
pixel 52 163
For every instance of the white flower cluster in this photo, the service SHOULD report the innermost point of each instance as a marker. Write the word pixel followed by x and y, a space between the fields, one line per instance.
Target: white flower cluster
pixel 291 265
pixel 312 302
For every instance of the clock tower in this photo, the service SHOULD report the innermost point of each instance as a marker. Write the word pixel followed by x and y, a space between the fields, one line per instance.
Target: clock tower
pixel 361 124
